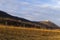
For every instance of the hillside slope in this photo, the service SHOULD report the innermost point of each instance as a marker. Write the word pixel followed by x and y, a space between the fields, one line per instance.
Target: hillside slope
pixel 6 15
pixel 47 24
pixel 19 33
pixel 7 19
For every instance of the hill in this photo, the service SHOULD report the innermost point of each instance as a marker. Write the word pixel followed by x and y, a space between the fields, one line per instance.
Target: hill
pixel 16 28
pixel 6 15
pixel 8 19
pixel 47 24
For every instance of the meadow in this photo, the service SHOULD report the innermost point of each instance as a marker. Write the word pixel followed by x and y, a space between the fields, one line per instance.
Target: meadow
pixel 21 33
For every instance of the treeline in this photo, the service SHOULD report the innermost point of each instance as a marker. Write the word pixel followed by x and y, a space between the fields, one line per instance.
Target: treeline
pixel 13 22
pixel 19 23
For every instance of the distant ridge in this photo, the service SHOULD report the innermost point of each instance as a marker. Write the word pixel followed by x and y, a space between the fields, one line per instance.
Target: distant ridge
pixel 8 19
pixel 48 24
pixel 6 15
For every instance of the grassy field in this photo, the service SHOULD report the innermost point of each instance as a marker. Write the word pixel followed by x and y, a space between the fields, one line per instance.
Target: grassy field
pixel 19 33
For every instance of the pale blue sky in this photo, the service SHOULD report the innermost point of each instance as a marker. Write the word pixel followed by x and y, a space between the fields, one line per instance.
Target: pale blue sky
pixel 35 10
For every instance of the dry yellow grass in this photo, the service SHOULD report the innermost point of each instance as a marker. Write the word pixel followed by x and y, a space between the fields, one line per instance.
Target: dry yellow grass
pixel 20 33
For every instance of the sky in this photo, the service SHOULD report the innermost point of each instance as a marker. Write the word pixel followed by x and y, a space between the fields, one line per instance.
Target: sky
pixel 34 10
